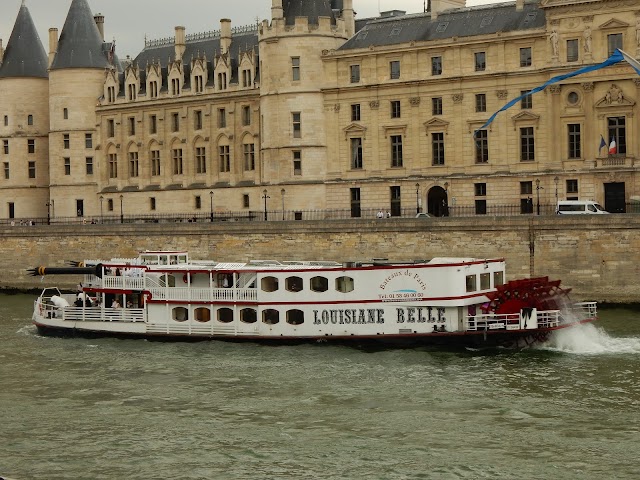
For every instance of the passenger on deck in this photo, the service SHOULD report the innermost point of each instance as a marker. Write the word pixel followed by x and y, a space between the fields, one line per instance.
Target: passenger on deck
pixel 442 328
pixel 435 328
pixel 115 304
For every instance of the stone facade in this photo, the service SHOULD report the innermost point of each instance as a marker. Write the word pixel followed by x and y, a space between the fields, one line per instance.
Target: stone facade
pixel 378 119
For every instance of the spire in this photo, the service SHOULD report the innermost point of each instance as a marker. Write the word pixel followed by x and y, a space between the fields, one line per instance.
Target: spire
pixel 25 56
pixel 312 9
pixel 80 44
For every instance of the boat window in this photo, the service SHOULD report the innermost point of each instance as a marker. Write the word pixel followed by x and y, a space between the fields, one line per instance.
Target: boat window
pixel 248 315
pixel 270 316
pixel 344 284
pixel 202 315
pixel 171 281
pixel 269 284
pixel 180 314
pixel 225 315
pixel 498 279
pixel 293 284
pixel 471 283
pixel 295 317
pixel 485 281
pixel 182 259
pixel 319 284
pixel 173 260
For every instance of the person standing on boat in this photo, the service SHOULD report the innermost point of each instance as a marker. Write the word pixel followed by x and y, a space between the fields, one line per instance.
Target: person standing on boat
pixel 115 303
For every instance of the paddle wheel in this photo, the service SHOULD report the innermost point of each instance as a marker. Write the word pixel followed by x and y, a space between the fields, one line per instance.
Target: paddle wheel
pixel 539 293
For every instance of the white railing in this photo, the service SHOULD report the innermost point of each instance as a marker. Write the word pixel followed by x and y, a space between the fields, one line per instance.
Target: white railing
pixel 98 314
pixel 191 329
pixel 205 294
pixel 585 310
pixel 123 282
pixel 493 321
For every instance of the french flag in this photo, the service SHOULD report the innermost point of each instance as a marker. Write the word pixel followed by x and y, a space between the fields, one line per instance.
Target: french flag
pixel 613 148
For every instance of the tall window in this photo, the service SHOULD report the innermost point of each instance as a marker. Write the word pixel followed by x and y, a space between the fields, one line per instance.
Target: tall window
pixel 153 89
pixel 249 156
pixel 572 50
pixel 6 170
pixel 67 166
pixel 133 164
pixel 527 102
pixel 617 132
pixel 175 87
pixel 197 119
pixel 525 57
pixel 65 141
pixel 111 129
pixel 246 115
pixel 297 124
pixel 155 163
pixel 65 113
pixel 356 211
pixel 222 81
pixel 111 94
pixel 527 144
pixel 132 126
pixel 574 140
pixel 88 140
pixel 437 147
pixel 32 169
pixel 481 102
pixel 152 203
pixel 246 78
pixel 224 157
pixel 297 162
pixel 31 145
pixel 396 201
pixel 89 165
pixel 29 119
pixel 175 122
pixel 614 41
pixel 394 67
pixel 395 109
pixel 436 65
pixel 572 186
pixel 356 153
pixel 5 146
pixel 199 81
pixel 113 165
pixel 354 71
pixel 482 146
pixel 480 190
pixel 480 61
pixel 222 118
pixel 396 150
pixel 436 106
pixel 201 160
pixel 153 124
pixel 355 112
pixel 132 91
pixel 198 202
pixel 176 155
pixel 295 68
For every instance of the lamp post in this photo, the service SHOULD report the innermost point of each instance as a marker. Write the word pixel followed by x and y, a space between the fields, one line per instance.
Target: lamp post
pixel 265 196
pixel 101 217
pixel 53 208
pixel 121 212
pixel 446 199
pixel 556 180
pixel 282 193
pixel 48 205
pixel 538 187
pixel 417 198
pixel 211 204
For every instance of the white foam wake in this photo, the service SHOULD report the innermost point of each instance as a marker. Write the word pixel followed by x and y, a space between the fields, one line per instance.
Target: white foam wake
pixel 587 339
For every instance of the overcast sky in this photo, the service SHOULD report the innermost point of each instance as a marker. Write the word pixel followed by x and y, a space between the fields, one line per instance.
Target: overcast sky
pixel 128 21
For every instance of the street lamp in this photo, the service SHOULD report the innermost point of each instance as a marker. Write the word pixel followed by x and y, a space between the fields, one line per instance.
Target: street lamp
pixel 417 198
pixel 48 205
pixel 446 199
pixel 538 187
pixel 282 193
pixel 121 212
pixel 556 180
pixel 101 217
pixel 265 196
pixel 211 198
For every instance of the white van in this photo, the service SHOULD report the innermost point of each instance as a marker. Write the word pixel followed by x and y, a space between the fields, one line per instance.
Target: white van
pixel 579 207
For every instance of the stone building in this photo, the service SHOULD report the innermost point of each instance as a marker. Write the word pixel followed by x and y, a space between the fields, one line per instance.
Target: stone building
pixel 317 110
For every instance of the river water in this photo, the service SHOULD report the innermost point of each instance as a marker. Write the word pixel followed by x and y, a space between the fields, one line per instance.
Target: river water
pixel 131 409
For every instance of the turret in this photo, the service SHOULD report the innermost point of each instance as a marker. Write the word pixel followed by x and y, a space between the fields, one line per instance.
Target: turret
pixel 276 10
pixel 349 18
pixel 53 44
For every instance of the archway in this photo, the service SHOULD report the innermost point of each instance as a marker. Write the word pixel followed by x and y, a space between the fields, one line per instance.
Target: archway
pixel 438 202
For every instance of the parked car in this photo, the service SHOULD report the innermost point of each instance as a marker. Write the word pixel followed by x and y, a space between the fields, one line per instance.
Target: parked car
pixel 579 207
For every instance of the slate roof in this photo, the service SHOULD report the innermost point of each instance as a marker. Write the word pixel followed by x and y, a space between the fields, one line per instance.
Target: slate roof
pixel 80 44
pixel 25 56
pixel 312 9
pixel 460 22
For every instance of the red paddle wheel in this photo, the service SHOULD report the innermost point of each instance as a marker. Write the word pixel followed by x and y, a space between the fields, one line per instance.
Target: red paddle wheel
pixel 539 293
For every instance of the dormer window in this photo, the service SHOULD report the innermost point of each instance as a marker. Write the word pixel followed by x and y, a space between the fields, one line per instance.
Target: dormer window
pixel 175 87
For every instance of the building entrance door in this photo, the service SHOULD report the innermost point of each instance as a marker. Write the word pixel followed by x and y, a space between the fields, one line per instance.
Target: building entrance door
pixel 614 197
pixel 438 202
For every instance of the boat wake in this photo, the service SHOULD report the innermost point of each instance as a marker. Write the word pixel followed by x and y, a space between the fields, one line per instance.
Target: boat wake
pixel 587 339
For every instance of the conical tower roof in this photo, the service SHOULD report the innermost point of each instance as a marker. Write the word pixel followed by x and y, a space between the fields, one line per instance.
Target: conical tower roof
pixel 80 44
pixel 25 56
pixel 312 9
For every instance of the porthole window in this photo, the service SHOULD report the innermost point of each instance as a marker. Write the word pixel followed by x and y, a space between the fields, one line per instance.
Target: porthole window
pixel 319 284
pixel 180 314
pixel 573 98
pixel 344 284
pixel 295 317
pixel 225 315
pixel 270 316
pixel 269 284
pixel 248 315
pixel 293 284
pixel 202 315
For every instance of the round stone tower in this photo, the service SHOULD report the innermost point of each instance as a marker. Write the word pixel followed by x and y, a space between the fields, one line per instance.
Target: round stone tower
pixel 293 132
pixel 24 123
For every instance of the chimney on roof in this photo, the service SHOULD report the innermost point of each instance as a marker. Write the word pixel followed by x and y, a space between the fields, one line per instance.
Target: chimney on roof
pixel 225 35
pixel 519 5
pixel 438 6
pixel 1 51
pixel 276 10
pixel 349 18
pixel 180 45
pixel 53 44
pixel 99 19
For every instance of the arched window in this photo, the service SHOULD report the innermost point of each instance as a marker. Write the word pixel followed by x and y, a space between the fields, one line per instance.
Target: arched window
pixel 248 315
pixel 202 315
pixel 225 315
pixel 180 314
pixel 269 284
pixel 295 317
pixel 344 284
pixel 293 284
pixel 270 316
pixel 319 284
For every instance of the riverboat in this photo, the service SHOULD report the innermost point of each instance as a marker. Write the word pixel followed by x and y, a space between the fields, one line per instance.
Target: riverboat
pixel 442 301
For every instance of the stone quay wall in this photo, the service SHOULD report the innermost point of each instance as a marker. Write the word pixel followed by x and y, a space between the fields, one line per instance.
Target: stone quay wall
pixel 597 256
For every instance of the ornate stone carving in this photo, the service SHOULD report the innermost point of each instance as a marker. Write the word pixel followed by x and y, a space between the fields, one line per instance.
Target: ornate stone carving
pixel 555 89
pixel 414 101
pixel 502 94
pixel 374 104
pixel 614 95
pixel 336 107
pixel 457 97
pixel 587 86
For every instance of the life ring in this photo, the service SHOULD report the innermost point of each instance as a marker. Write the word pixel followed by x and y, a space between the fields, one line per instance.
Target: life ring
pixel 148 297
